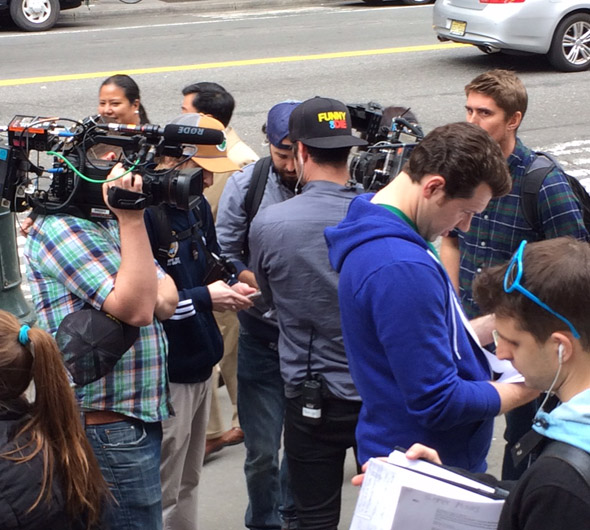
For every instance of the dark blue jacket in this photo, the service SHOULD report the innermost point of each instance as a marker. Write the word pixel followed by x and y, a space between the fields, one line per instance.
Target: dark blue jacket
pixel 195 343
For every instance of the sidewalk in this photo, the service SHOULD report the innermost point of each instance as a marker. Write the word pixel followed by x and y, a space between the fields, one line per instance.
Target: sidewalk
pixel 114 8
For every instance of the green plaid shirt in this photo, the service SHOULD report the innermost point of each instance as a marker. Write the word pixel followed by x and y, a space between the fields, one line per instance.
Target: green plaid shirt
pixel 73 261
pixel 495 234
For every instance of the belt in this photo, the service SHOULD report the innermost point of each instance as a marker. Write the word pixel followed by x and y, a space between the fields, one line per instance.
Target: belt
pixel 99 417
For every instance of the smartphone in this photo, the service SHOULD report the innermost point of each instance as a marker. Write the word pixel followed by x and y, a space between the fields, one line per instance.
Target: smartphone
pixel 254 295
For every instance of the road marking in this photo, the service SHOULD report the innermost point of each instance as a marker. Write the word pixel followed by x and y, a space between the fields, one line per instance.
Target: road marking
pixel 573 157
pixel 229 64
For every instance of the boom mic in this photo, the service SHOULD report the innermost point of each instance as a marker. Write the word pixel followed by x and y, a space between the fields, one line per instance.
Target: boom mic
pixel 186 134
pixel 173 134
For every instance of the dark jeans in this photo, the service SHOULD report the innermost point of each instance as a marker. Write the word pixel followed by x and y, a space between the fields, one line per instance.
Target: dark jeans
pixel 316 455
pixel 128 453
pixel 261 409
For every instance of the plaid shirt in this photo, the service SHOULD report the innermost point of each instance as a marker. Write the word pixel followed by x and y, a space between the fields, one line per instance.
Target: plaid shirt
pixel 73 261
pixel 495 234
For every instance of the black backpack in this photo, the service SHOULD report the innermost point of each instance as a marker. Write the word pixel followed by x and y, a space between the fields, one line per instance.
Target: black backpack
pixel 574 456
pixel 254 196
pixel 533 179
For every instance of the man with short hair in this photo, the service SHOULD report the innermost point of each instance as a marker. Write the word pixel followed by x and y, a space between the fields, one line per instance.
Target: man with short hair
pixel 214 100
pixel 260 388
pixel 195 342
pixel 290 261
pixel 108 264
pixel 542 326
pixel 414 358
pixel 497 101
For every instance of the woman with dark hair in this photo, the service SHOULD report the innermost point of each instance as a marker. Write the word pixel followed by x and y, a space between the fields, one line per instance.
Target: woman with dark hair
pixel 49 478
pixel 119 100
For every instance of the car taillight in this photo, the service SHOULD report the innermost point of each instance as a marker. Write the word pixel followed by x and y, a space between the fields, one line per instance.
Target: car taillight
pixel 501 1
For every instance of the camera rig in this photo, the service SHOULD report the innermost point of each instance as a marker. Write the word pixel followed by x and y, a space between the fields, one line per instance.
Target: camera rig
pixel 74 158
pixel 392 133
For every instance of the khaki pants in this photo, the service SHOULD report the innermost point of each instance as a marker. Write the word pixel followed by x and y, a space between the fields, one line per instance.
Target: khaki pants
pixel 183 451
pixel 228 366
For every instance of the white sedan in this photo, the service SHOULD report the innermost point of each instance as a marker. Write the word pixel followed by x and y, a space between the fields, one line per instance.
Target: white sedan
pixel 559 29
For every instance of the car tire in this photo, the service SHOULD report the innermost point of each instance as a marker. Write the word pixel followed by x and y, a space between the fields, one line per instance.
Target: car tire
pixel 34 15
pixel 373 2
pixel 568 52
pixel 417 2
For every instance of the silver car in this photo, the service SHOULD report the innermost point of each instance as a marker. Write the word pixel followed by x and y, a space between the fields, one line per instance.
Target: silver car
pixel 559 29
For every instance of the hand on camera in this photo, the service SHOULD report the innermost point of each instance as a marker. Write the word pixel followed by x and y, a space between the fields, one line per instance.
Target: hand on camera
pixel 224 298
pixel 130 182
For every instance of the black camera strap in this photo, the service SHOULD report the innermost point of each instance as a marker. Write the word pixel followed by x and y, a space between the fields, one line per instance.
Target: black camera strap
pixel 166 236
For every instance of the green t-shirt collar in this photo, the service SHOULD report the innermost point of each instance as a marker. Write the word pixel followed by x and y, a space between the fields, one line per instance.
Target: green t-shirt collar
pixel 410 223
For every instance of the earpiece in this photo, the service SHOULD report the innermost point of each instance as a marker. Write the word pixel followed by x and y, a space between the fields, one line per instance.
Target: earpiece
pixel 560 353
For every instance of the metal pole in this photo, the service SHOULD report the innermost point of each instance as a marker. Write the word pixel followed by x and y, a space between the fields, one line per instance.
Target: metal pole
pixel 11 295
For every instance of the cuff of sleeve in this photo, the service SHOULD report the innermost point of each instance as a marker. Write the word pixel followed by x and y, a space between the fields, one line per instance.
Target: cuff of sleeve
pixel 202 299
pixel 240 267
pixel 101 294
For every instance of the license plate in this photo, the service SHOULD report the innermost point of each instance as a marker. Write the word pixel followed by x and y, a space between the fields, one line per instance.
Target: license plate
pixel 458 27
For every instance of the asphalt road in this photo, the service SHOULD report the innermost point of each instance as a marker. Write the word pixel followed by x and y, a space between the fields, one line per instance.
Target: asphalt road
pixel 343 50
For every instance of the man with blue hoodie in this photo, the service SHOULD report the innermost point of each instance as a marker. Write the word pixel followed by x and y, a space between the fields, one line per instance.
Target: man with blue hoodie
pixel 414 358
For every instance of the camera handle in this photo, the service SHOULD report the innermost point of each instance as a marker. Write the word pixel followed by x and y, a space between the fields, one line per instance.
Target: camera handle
pixel 126 200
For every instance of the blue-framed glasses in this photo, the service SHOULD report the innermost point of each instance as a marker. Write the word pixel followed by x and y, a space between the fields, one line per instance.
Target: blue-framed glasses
pixel 512 282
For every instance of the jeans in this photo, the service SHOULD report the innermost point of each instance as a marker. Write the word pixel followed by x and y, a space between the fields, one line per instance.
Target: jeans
pixel 261 409
pixel 128 453
pixel 316 455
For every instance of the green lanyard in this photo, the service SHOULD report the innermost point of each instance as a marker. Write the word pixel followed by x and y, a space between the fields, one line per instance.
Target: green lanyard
pixel 410 223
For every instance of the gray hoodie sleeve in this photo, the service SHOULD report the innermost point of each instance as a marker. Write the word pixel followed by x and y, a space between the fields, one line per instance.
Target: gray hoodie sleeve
pixel 232 225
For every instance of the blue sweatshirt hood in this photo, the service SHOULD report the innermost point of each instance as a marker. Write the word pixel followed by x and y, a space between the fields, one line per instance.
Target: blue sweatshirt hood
pixel 364 222
pixel 569 422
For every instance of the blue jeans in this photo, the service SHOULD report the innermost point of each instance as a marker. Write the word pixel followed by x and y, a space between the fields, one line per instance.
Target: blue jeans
pixel 128 453
pixel 261 409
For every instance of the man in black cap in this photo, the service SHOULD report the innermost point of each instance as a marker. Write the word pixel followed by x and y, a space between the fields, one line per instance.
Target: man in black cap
pixel 290 260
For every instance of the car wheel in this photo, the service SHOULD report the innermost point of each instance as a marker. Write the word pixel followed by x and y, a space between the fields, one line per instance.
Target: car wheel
pixel 373 2
pixel 570 48
pixel 34 15
pixel 417 2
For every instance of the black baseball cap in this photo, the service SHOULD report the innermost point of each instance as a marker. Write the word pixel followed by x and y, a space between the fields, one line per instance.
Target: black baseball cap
pixel 92 342
pixel 323 123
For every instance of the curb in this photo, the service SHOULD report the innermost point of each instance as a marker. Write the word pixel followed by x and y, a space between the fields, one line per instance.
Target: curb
pixel 116 8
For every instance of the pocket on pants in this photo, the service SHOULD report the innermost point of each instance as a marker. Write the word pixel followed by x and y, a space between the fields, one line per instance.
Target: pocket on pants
pixel 122 434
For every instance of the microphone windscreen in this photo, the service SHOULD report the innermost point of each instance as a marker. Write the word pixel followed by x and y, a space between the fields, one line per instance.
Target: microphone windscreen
pixel 185 134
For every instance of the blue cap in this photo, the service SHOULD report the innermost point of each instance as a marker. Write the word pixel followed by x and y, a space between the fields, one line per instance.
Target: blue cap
pixel 277 123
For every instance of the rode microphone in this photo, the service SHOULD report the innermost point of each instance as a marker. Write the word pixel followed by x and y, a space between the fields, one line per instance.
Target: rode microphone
pixel 186 134
pixel 172 133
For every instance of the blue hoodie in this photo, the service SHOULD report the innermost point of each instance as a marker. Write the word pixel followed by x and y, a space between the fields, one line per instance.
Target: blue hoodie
pixel 569 422
pixel 421 375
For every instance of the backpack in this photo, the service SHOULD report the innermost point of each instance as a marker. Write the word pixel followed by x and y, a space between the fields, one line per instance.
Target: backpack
pixel 533 179
pixel 254 196
pixel 574 456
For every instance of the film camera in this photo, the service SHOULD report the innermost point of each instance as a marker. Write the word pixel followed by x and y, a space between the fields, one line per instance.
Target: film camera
pixel 392 133
pixel 73 159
